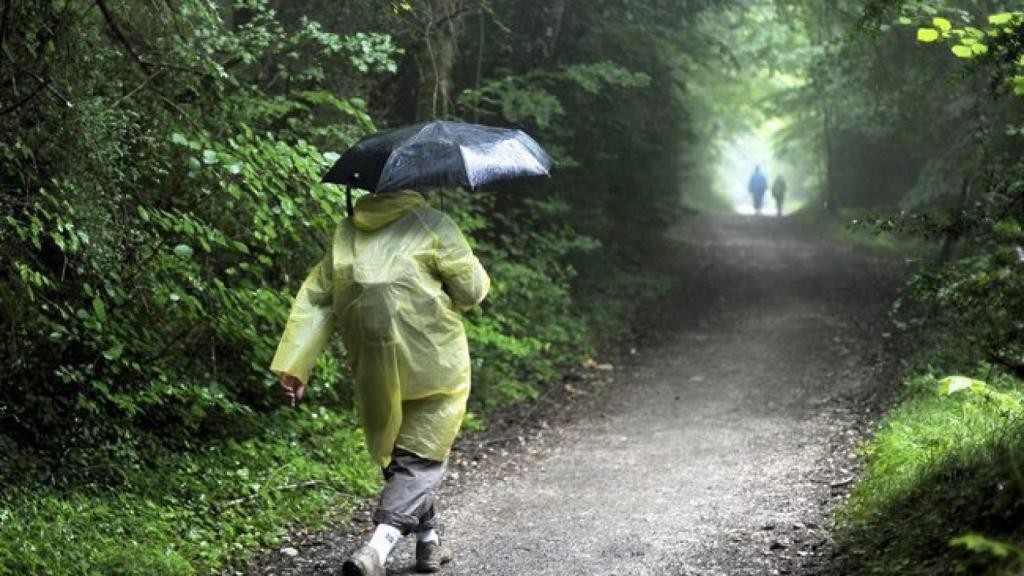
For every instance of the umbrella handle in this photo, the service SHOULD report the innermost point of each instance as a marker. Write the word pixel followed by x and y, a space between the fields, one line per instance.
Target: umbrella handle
pixel 348 200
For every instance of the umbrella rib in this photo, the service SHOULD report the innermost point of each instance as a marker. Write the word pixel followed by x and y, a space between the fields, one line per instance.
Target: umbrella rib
pixel 465 167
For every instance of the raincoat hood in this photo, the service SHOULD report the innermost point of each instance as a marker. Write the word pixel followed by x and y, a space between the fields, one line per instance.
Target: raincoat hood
pixel 375 211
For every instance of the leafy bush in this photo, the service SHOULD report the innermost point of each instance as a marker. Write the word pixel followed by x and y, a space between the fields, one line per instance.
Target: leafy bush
pixel 149 239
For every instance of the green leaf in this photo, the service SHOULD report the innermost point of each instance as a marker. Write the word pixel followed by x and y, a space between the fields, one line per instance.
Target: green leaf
pixel 183 251
pixel 1018 85
pixel 1001 18
pixel 179 138
pixel 99 309
pixel 927 35
pixel 952 384
pixel 962 51
pixel 114 352
pixel 974 33
pixel 979 543
pixel 210 157
pixel 942 24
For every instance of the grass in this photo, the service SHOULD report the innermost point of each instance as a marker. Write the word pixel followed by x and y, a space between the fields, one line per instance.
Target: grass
pixel 943 491
pixel 840 226
pixel 192 512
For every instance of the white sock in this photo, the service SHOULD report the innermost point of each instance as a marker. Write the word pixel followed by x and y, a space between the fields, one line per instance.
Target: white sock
pixel 383 541
pixel 428 536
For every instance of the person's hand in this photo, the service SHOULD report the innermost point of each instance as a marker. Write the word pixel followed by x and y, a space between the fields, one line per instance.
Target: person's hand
pixel 293 388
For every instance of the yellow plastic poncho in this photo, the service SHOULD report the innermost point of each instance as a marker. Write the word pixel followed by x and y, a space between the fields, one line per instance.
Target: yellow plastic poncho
pixel 393 283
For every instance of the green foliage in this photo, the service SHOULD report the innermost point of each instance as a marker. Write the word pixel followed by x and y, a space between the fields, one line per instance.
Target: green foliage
pixel 943 490
pixel 148 235
pixel 190 512
pixel 160 203
pixel 1012 556
pixel 983 288
pixel 529 97
pixel 1000 31
pixel 942 467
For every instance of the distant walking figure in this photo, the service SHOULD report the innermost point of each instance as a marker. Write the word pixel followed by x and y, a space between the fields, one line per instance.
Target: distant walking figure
pixel 757 187
pixel 779 193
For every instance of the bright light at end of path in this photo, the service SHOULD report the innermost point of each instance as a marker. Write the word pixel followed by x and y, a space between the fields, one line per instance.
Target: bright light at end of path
pixel 738 160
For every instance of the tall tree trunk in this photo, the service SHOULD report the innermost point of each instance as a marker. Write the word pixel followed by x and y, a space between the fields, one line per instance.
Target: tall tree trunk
pixel 436 58
pixel 551 23
pixel 831 200
pixel 949 240
pixel 830 197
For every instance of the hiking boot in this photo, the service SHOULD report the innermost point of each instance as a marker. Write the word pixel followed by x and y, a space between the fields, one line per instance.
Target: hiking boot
pixel 364 562
pixel 431 555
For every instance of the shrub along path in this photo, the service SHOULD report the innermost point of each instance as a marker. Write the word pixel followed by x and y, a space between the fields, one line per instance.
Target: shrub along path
pixel 719 448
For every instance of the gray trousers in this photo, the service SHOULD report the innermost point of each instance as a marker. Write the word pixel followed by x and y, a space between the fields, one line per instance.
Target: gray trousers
pixel 410 492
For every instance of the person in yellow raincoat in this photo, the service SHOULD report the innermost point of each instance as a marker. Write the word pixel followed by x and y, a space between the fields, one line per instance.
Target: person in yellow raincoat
pixel 393 283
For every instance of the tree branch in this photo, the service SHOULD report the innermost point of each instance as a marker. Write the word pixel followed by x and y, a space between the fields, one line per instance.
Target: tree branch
pixel 24 100
pixel 115 30
pixel 135 90
pixel 43 83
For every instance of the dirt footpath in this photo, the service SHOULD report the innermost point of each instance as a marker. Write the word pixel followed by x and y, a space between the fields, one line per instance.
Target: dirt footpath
pixel 717 450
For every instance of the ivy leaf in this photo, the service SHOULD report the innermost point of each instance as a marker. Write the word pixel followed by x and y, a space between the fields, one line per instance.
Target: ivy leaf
pixel 942 24
pixel 927 35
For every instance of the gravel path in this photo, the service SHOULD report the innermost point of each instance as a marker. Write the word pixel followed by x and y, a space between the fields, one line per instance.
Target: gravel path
pixel 721 445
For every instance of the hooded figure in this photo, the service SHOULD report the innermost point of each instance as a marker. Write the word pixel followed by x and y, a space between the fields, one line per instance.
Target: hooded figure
pixel 393 283
pixel 757 187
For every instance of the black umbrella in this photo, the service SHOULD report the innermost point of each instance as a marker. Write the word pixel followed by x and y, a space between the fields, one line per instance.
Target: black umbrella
pixel 439 153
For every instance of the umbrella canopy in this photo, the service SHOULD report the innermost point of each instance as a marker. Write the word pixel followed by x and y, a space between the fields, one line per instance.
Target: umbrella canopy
pixel 439 153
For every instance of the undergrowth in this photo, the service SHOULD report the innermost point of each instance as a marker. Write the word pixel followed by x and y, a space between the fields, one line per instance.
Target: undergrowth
pixel 190 511
pixel 943 489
